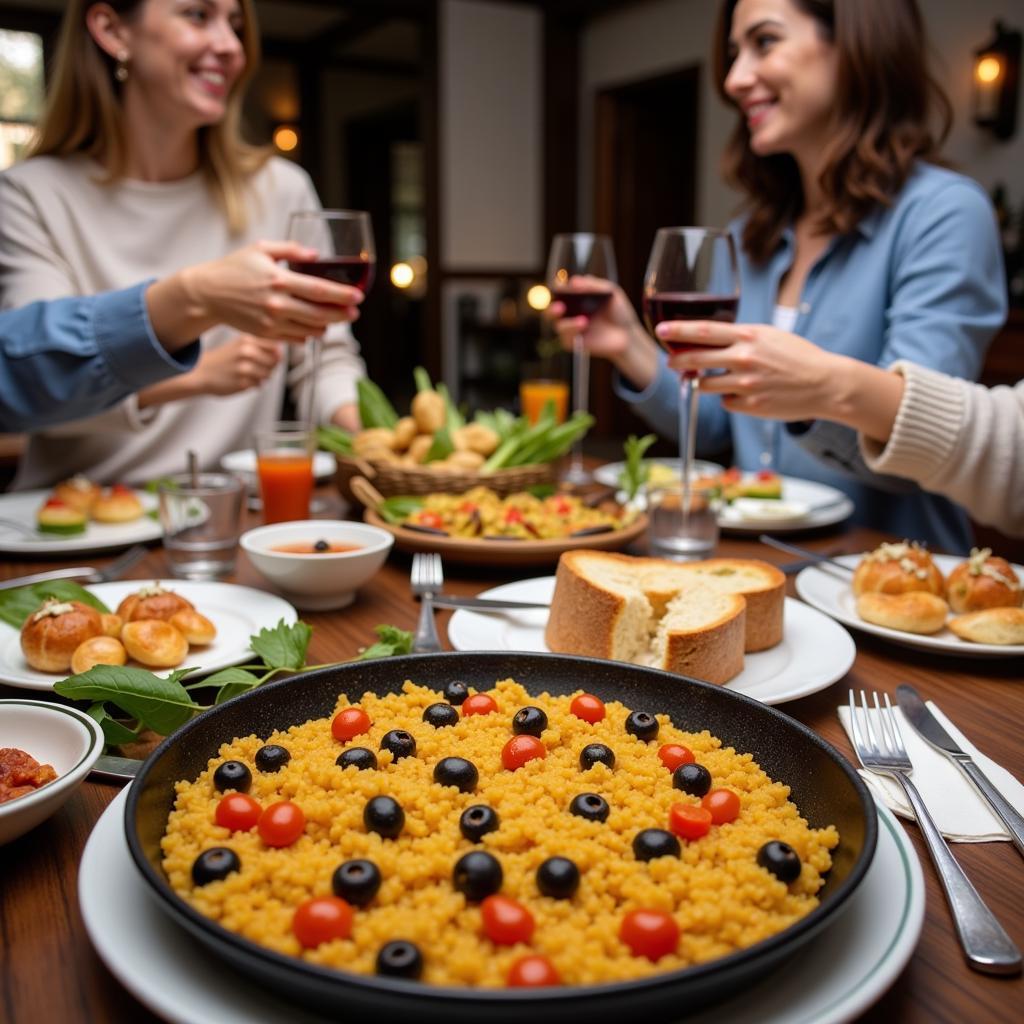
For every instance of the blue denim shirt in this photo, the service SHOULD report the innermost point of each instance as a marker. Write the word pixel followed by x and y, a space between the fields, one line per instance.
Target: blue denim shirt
pixel 920 280
pixel 69 358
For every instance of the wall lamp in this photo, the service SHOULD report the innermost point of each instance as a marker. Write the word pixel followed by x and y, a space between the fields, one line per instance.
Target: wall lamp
pixel 997 82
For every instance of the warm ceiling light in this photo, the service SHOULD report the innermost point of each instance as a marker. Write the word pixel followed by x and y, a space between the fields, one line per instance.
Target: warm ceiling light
pixel 402 275
pixel 286 138
pixel 988 69
pixel 538 297
pixel 997 67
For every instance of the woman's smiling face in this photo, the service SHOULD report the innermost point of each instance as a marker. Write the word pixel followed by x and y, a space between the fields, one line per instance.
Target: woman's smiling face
pixel 782 77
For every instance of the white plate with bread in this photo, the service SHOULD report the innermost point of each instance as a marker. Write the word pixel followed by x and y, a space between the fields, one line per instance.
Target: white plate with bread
pixel 235 612
pixel 726 621
pixel 24 506
pixel 804 505
pixel 927 602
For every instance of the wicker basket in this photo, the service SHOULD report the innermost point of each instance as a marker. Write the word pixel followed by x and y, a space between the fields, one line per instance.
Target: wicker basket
pixel 390 479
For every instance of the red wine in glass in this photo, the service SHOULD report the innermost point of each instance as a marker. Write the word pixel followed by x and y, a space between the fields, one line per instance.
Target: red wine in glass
pixel 579 303
pixel 350 270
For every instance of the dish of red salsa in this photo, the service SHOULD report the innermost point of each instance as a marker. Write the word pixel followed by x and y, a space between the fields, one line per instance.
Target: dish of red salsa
pixel 21 773
pixel 315 547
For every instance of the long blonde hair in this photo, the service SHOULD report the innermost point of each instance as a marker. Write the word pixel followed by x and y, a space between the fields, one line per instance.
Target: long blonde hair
pixel 84 113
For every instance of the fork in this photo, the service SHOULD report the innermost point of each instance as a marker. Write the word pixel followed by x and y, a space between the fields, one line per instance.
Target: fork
pixel 426 580
pixel 987 946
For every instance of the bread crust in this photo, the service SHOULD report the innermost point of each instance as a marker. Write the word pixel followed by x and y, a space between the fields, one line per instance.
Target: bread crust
pixel 48 640
pixel 898 569
pixel 990 626
pixel 197 629
pixel 912 612
pixel 145 605
pixel 154 643
pixel 117 505
pixel 583 614
pixel 973 585
pixel 98 650
pixel 714 651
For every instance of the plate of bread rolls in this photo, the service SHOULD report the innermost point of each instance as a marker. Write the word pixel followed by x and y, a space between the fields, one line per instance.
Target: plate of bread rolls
pixel 160 626
pixel 972 607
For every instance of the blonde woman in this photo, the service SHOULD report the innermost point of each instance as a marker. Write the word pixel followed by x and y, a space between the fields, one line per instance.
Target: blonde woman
pixel 140 170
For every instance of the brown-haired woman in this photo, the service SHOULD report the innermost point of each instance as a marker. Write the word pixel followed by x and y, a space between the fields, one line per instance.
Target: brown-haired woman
pixel 853 237
pixel 140 170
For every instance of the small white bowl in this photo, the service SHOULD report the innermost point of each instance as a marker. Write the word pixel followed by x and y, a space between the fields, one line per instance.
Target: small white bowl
pixel 53 734
pixel 320 581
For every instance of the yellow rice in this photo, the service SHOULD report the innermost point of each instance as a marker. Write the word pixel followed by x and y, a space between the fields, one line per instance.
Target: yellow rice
pixel 719 897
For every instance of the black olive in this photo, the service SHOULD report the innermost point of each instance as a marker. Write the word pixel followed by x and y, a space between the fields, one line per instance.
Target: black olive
pixel 456 771
pixel 655 842
pixel 476 821
pixel 321 545
pixel 642 724
pixel 400 743
pixel 440 715
pixel 529 722
pixel 359 756
pixel 780 859
pixel 593 753
pixel 589 806
pixel 477 874
pixel 400 959
pixel 456 691
pixel 272 758
pixel 356 881
pixel 384 815
pixel 214 864
pixel 232 775
pixel 558 877
pixel 693 779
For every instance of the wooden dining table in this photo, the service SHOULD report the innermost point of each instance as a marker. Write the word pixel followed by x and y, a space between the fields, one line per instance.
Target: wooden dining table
pixel 50 972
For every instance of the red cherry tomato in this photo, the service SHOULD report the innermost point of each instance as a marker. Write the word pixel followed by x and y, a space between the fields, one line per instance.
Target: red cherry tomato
pixel 722 804
pixel 521 749
pixel 238 812
pixel 469 507
pixel 350 722
pixel 505 921
pixel 55 503
pixel 320 920
pixel 120 489
pixel 649 933
pixel 688 821
pixel 588 707
pixel 765 474
pixel 282 823
pixel 532 972
pixel 431 519
pixel 479 704
pixel 513 515
pixel 560 506
pixel 674 754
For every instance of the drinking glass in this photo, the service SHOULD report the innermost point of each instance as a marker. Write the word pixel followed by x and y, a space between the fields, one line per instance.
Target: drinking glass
pixel 200 518
pixel 691 275
pixel 343 240
pixel 542 383
pixel 284 464
pixel 573 257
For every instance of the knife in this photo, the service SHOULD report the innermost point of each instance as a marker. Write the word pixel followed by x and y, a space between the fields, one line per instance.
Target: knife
pixel 482 603
pixel 115 769
pixel 54 574
pixel 929 728
pixel 806 553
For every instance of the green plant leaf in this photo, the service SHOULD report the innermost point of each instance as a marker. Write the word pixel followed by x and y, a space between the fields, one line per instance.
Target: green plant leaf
pixel 231 682
pixel 161 704
pixel 114 732
pixel 441 447
pixel 399 507
pixel 392 641
pixel 17 604
pixel 283 646
pixel 635 472
pixel 374 408
pixel 334 439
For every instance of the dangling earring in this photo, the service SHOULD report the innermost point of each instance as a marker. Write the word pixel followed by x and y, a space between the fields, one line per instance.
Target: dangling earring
pixel 121 71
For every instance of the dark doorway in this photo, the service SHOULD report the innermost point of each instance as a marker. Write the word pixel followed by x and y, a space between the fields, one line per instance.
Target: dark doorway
pixel 644 178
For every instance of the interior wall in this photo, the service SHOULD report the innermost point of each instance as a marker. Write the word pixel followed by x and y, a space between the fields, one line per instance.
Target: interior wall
pixel 656 36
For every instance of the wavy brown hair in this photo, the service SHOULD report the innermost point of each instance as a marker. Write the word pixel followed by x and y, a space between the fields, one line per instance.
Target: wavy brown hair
pixel 886 102
pixel 84 112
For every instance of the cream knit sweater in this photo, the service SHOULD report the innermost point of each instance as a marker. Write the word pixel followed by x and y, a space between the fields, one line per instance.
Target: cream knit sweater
pixel 959 439
pixel 63 232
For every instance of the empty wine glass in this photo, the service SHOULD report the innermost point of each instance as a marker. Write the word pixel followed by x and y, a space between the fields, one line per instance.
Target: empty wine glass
pixel 580 267
pixel 343 240
pixel 691 275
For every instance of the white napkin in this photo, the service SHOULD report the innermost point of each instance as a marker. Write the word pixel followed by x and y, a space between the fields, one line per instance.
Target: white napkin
pixel 959 811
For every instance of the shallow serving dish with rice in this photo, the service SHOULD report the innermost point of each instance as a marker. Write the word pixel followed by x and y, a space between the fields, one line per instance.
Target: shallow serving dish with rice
pixel 735 919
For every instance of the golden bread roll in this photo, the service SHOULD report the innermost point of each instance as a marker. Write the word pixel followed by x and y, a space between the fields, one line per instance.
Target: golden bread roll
pixel 79 492
pixel 154 643
pixel 98 650
pixel 111 624
pixel 897 569
pixel 51 633
pixel 152 602
pixel 914 612
pixel 983 581
pixel 990 626
pixel 119 504
pixel 196 628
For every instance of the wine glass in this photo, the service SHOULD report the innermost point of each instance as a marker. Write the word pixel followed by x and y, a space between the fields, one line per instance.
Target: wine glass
pixel 573 257
pixel 691 275
pixel 343 240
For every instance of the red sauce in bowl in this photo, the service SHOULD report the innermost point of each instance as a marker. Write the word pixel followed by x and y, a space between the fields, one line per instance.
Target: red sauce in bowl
pixel 20 773
pixel 315 547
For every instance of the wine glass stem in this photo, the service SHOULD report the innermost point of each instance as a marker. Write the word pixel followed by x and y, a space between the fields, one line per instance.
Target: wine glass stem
pixel 581 391
pixel 314 348
pixel 688 388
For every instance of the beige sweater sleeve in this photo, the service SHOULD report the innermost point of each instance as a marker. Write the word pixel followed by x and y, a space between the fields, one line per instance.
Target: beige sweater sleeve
pixel 959 439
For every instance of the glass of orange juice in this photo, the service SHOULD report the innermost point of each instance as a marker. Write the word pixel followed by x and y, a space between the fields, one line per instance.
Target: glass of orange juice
pixel 541 384
pixel 284 464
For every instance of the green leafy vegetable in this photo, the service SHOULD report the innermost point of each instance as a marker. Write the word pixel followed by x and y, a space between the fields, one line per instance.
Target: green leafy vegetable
pixel 392 641
pixel 334 439
pixel 114 732
pixel 441 447
pixel 166 482
pixel 525 445
pixel 17 604
pixel 397 509
pixel 422 379
pixel 230 682
pixel 283 646
pixel 635 472
pixel 374 408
